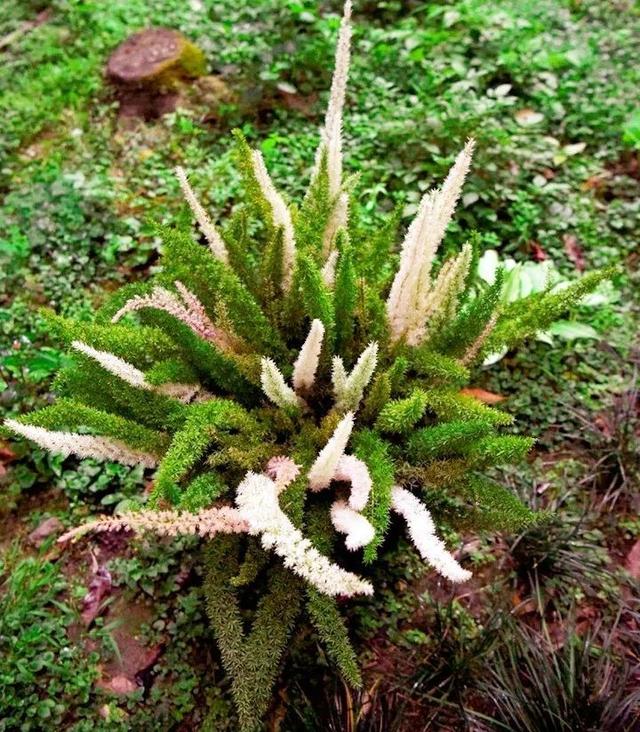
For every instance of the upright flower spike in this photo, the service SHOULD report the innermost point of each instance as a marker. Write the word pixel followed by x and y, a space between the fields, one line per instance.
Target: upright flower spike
pixel 349 392
pixel 257 500
pixel 408 298
pixel 83 446
pixel 216 244
pixel 324 468
pixel 281 216
pixel 331 137
pixel 306 365
pixel 329 269
pixel 441 301
pixel 422 532
pixel 205 523
pixel 276 388
pixel 338 220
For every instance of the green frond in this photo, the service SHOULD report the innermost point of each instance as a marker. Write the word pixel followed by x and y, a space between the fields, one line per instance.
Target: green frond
pixel 374 452
pixel 448 438
pixel 401 415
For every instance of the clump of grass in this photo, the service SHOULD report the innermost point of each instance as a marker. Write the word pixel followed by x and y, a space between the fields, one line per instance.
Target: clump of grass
pixel 585 685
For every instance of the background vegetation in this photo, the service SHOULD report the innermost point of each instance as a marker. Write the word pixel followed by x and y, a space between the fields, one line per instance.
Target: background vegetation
pixel 546 637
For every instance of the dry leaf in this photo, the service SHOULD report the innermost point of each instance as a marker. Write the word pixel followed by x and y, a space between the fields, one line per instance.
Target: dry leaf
pixel 488 397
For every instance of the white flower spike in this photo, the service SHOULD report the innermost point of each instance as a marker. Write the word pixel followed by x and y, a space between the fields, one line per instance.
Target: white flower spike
pixel 216 244
pixel 306 365
pixel 422 532
pixel 257 501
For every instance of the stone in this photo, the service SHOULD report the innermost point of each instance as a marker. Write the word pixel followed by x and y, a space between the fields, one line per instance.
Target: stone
pixel 157 58
pixel 150 71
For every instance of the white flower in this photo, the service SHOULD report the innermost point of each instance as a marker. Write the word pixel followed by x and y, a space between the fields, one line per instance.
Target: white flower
pixel 349 391
pixel 210 232
pixel 422 532
pixel 281 216
pixel 131 375
pixel 347 521
pixel 283 470
pixel 331 139
pixel 406 304
pixel 71 443
pixel 276 388
pixel 306 365
pixel 328 272
pixel 337 220
pixel 257 500
pixel 352 469
pixel 324 467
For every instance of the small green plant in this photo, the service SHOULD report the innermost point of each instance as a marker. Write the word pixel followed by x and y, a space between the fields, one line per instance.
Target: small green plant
pixel 294 357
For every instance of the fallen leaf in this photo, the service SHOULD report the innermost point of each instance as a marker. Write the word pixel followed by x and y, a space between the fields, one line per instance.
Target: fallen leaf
pixel 574 149
pixel 537 252
pixel 44 530
pixel 574 251
pixel 527 117
pixel 633 560
pixel 488 397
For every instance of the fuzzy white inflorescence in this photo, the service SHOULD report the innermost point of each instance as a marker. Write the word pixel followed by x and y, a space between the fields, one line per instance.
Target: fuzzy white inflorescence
pixel 349 389
pixel 188 310
pixel 352 469
pixel 216 244
pixel 281 216
pixel 257 500
pixel 331 140
pixel 338 219
pixel 306 365
pixel 328 272
pixel 275 387
pixel 408 298
pixel 323 469
pixel 347 521
pixel 422 532
pixel 129 373
pixel 442 298
pixel 206 523
pixel 83 446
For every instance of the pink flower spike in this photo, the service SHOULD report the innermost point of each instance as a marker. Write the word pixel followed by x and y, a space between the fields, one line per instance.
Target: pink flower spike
pixel 282 470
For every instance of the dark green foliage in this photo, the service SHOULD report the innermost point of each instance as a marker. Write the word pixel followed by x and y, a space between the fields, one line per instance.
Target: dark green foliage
pixel 499 450
pixel 374 452
pixel 494 508
pixel 448 438
pixel 330 624
pixel 317 298
pixel 456 338
pixel 523 318
pixel 450 405
pixel 401 415
pixel 440 368
pixel 252 659
pixel 345 294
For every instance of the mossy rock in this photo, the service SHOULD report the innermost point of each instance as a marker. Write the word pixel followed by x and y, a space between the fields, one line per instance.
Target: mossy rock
pixel 157 58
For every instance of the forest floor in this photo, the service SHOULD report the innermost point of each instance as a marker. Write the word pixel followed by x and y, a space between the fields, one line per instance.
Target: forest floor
pixel 547 635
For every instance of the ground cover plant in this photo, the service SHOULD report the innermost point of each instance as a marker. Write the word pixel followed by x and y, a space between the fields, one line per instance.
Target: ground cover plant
pixel 537 193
